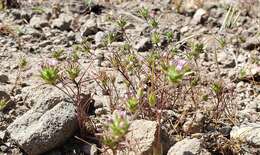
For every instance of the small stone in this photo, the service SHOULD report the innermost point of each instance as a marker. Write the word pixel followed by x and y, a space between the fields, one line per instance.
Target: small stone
pixel 188 146
pixel 4 95
pixel 99 37
pixel 225 130
pixel 31 32
pixel 249 133
pixel 252 70
pixel 63 22
pixel 3 148
pixel 251 43
pixel 2 135
pixel 38 22
pixel 16 14
pixel 226 59
pixel 101 101
pixel 45 43
pixel 71 36
pixel 26 14
pixel 90 149
pixel 144 45
pixel 184 29
pixel 100 111
pixel 142 137
pixel 199 17
pixel 89 28
pixel 4 78
pixel 191 127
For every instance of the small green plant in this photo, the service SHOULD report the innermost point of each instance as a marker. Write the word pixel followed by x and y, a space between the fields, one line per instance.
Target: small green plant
pixel 23 63
pixel 132 104
pixel 153 23
pixel 144 84
pixel 156 38
pixel 222 42
pixel 217 88
pixel 88 3
pixel 38 10
pixel 121 23
pixel 175 76
pixel 242 73
pixel 109 39
pixel 2 6
pixel 58 54
pixel 3 104
pixel 115 130
pixel 196 50
pixel 169 36
pixel 73 71
pixel 50 73
pixel 144 13
pixel 152 99
pixel 70 84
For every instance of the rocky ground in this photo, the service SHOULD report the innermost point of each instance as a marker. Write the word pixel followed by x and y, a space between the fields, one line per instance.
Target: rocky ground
pixel 40 119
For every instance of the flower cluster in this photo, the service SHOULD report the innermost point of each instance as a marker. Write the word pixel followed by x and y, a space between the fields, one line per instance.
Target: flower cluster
pixel 116 129
pixel 50 72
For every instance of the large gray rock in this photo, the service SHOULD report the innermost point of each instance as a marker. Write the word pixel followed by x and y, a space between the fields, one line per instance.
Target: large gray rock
pixel 188 147
pixel 143 139
pixel 249 133
pixel 47 125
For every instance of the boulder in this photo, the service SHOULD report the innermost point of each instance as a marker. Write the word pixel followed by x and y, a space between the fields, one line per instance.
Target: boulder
pixel 188 147
pixel 47 125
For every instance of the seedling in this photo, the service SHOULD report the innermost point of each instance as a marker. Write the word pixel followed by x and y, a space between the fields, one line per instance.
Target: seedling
pixel 132 104
pixel 3 104
pixel 23 63
pixel 115 130
pixel 144 13
pixel 50 73
pixel 153 23
pixel 58 54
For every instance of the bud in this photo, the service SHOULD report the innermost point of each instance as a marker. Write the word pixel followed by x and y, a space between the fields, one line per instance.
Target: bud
pixel 73 72
pixel 152 99
pixel 132 104
pixel 50 74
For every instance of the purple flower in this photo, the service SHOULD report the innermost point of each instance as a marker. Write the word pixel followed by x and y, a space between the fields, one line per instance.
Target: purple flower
pixel 180 64
pixel 52 62
pixel 122 114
